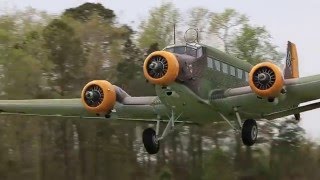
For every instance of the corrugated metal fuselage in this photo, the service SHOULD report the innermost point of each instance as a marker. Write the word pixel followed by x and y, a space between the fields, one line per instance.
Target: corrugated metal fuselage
pixel 199 79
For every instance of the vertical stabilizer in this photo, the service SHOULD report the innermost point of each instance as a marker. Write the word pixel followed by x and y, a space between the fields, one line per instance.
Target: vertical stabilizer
pixel 292 65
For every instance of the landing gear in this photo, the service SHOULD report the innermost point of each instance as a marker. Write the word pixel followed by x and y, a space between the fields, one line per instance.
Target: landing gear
pixel 297 117
pixel 150 141
pixel 249 132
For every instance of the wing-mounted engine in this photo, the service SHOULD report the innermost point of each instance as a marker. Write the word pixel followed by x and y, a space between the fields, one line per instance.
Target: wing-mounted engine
pixel 98 96
pixel 266 80
pixel 161 68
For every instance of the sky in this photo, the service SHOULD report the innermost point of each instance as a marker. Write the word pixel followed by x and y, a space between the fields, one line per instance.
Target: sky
pixel 297 21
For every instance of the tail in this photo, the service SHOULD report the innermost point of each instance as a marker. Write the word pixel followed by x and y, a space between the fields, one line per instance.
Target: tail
pixel 292 67
pixel 292 62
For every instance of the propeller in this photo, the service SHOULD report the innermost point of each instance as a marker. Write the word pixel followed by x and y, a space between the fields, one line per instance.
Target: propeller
pixel 93 95
pixel 157 66
pixel 264 78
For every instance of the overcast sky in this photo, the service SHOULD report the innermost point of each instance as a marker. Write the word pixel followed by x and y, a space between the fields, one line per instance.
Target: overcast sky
pixel 297 21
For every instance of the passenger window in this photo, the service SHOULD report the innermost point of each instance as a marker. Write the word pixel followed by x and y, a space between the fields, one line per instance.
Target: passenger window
pixel 232 71
pixel 239 73
pixel 246 76
pixel 210 63
pixel 217 64
pixel 225 68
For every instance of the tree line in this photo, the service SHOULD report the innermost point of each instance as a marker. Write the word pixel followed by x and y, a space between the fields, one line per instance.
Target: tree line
pixel 71 148
pixel 49 56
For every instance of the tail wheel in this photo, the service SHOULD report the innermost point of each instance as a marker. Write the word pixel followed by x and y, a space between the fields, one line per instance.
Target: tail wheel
pixel 150 141
pixel 249 132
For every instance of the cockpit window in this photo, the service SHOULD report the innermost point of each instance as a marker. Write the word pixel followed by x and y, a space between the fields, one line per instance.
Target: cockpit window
pixel 179 49
pixel 192 51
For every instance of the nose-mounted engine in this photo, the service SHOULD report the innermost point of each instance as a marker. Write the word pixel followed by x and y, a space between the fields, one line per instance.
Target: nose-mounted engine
pixel 161 68
pixel 266 80
pixel 98 96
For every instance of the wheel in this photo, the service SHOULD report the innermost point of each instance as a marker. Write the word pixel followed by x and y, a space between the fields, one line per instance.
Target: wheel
pixel 297 117
pixel 150 141
pixel 249 132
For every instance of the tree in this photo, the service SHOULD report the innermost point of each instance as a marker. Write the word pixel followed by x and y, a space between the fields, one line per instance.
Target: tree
pixel 158 28
pixel 225 25
pixel 101 39
pixel 7 38
pixel 253 44
pixel 198 19
pixel 153 47
pixel 66 54
pixel 22 56
pixel 22 75
pixel 129 67
pixel 239 38
pixel 85 11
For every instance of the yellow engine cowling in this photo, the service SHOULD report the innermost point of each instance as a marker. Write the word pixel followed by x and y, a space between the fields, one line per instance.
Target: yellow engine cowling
pixel 161 68
pixel 98 96
pixel 266 80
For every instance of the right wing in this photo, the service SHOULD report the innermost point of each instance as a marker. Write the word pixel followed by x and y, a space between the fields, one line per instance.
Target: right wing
pixel 298 90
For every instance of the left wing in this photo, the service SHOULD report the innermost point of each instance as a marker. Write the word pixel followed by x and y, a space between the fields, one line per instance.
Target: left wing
pixel 102 105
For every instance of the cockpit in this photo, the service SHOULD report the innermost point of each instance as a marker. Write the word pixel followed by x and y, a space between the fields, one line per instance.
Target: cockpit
pixel 191 50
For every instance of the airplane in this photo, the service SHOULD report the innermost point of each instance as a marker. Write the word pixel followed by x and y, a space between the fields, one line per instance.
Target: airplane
pixel 194 83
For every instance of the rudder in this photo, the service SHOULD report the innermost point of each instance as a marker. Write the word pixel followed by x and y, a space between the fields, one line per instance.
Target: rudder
pixel 292 62
pixel 292 67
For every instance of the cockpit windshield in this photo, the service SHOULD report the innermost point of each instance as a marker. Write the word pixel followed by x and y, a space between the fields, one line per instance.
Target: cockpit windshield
pixel 189 50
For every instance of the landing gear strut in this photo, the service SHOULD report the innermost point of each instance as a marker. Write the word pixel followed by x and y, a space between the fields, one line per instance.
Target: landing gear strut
pixel 249 129
pixel 150 137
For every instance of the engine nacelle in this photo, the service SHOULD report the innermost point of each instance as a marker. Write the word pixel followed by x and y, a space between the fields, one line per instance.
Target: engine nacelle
pixel 161 68
pixel 98 96
pixel 266 80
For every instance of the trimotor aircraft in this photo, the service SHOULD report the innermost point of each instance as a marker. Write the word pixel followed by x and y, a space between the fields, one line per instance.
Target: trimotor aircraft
pixel 194 83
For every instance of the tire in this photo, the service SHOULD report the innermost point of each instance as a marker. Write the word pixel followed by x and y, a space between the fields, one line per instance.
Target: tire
pixel 150 141
pixel 249 132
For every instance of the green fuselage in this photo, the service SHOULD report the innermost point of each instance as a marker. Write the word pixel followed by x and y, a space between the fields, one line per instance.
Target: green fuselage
pixel 210 73
pixel 203 87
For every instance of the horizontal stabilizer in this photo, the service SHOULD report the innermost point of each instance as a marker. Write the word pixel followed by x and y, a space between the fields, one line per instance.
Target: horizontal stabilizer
pixel 295 110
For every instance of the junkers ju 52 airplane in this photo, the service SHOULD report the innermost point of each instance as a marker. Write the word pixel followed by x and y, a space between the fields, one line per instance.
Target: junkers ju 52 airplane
pixel 194 83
